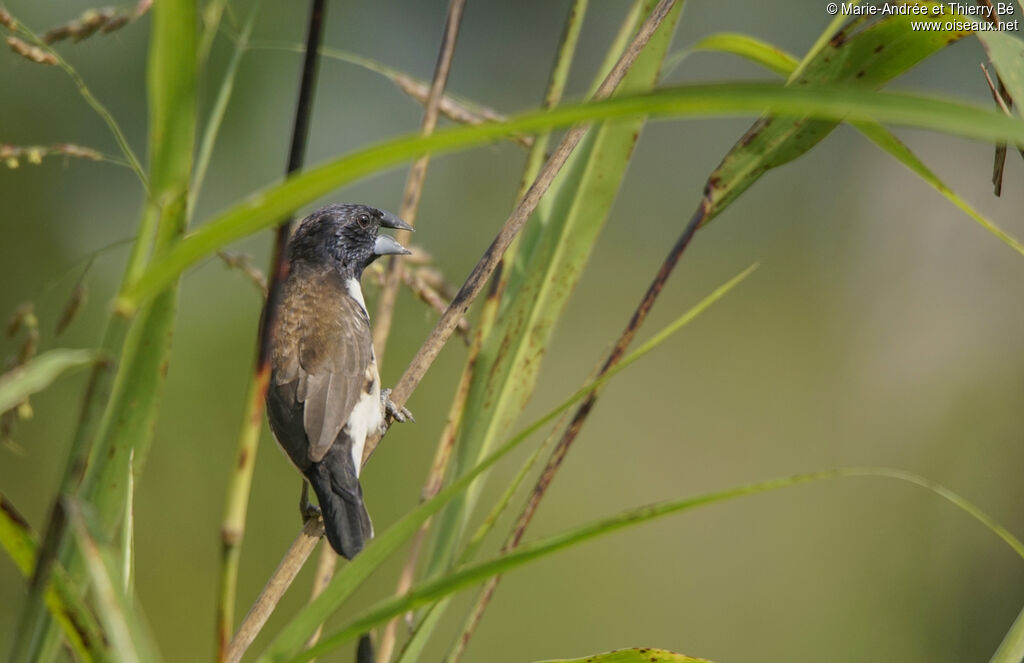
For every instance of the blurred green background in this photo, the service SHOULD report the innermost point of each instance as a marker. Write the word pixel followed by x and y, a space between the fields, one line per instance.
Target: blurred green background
pixel 883 328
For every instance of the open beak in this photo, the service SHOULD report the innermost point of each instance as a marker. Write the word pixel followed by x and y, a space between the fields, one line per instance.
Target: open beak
pixel 389 220
pixel 385 245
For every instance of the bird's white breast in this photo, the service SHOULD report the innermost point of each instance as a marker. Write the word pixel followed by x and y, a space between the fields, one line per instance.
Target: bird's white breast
pixel 356 292
pixel 367 416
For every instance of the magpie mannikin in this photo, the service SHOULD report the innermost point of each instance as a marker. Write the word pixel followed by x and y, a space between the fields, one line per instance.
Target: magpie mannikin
pixel 324 397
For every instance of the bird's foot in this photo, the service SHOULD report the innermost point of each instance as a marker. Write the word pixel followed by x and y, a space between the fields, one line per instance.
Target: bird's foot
pixel 399 414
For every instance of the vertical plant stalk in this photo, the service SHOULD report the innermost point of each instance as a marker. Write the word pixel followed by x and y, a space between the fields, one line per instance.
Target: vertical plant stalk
pixel 236 507
pixel 410 205
pixel 442 456
pixel 488 262
pixel 414 180
pixel 120 403
pixel 579 418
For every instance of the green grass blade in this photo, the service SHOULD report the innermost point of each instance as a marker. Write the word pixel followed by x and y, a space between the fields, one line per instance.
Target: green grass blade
pixel 1011 649
pixel 894 146
pixel 129 637
pixel 627 29
pixel 540 283
pixel 295 635
pixel 471 575
pixel 635 655
pixel 220 106
pixel 126 426
pixel 753 49
pixel 822 41
pixel 777 60
pixel 432 615
pixel 22 381
pixel 264 208
pixel 867 59
pixel 75 619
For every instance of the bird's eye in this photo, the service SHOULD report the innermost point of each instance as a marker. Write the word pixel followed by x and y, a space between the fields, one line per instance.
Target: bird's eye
pixel 363 220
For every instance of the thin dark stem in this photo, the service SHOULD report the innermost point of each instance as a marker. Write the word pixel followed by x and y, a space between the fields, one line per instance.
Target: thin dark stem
pixel 485 267
pixel 580 417
pixel 296 155
pixel 233 528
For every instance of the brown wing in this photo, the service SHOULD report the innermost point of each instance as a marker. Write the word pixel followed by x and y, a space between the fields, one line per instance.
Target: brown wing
pixel 321 354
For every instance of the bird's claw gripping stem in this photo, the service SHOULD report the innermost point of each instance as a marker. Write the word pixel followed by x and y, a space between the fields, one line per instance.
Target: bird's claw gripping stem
pixel 401 415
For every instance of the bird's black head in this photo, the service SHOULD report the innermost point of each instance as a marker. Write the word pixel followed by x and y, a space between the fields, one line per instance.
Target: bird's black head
pixel 346 237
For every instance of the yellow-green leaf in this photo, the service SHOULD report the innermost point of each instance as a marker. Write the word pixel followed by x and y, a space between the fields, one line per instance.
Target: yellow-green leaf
pixel 22 381
pixel 864 54
pixel 634 655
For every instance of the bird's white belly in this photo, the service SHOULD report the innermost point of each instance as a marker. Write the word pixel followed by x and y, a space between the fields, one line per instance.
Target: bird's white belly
pixel 366 418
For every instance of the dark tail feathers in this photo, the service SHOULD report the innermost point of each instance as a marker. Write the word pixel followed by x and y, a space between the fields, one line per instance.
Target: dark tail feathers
pixel 346 522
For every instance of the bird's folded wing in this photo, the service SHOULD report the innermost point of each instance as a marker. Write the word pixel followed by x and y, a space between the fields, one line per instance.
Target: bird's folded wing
pixel 332 355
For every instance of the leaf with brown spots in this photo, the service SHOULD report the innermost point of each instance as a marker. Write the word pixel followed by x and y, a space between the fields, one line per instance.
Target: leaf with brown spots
pixel 864 54
pixel 635 655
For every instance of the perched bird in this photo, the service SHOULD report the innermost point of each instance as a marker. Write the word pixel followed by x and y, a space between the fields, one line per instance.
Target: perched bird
pixel 324 397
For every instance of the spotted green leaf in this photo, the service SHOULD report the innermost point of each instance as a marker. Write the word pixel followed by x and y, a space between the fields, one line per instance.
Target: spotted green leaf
pixel 864 54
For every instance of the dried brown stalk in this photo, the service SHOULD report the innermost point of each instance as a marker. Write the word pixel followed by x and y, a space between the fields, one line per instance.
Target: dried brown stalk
pixel 580 417
pixel 488 262
pixel 417 174
pixel 275 588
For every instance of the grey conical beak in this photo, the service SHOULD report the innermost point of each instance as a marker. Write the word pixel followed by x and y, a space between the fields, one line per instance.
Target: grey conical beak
pixel 385 245
pixel 389 220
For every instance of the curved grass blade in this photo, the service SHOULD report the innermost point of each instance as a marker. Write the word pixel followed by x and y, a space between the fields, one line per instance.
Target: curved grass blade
pixel 635 655
pixel 294 636
pixel 863 55
pixel 67 608
pixel 220 105
pixel 894 146
pixel 544 274
pixel 125 428
pixel 432 590
pixel 263 209
pixel 1011 649
pixel 22 381
pixel 129 637
pixel 774 58
pixel 747 47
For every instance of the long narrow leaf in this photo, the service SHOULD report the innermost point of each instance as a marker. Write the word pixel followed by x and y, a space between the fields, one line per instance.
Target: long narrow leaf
pixel 220 105
pixel 545 273
pixel 468 576
pixel 264 208
pixel 21 382
pixel 294 636
pixel 778 60
pixel 1011 649
pixel 125 428
pixel 635 655
pixel 858 56
pixel 67 608
pixel 129 637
